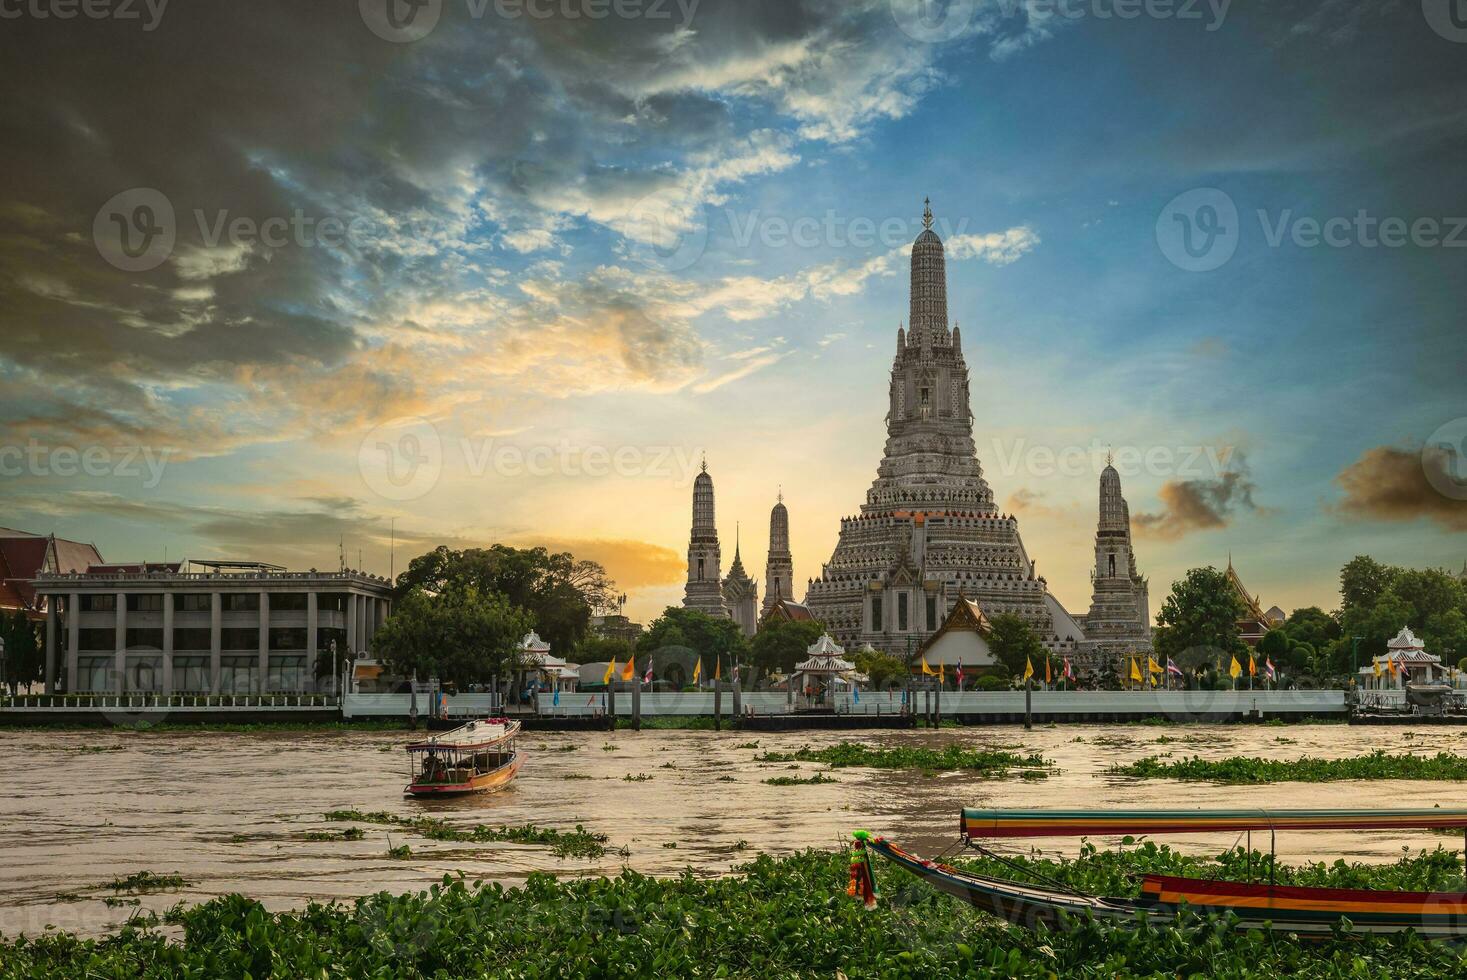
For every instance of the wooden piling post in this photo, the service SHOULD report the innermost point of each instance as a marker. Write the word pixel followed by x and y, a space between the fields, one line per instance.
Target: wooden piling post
pixel 718 706
pixel 1029 704
pixel 636 705
pixel 611 705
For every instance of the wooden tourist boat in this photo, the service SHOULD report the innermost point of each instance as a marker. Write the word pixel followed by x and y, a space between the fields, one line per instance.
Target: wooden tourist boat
pixel 473 758
pixel 1307 911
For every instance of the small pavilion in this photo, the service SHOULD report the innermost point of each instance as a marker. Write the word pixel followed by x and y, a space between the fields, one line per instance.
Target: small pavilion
pixel 537 663
pixel 1413 665
pixel 824 670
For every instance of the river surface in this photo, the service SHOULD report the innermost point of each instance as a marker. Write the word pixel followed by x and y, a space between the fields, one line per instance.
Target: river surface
pixel 229 812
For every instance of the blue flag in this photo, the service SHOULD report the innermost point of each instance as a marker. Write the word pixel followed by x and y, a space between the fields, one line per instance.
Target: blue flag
pixel 855 694
pixel 555 698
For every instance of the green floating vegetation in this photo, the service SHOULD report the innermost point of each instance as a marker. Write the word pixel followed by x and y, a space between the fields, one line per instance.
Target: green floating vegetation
pixel 774 917
pixel 814 780
pixel 640 777
pixel 986 762
pixel 350 833
pixel 142 882
pixel 695 723
pixel 1245 769
pixel 580 842
pixel 400 851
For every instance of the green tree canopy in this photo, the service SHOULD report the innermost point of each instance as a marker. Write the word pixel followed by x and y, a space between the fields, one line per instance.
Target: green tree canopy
pixel 1312 625
pixel 712 639
pixel 1431 601
pixel 558 590
pixel 1201 611
pixel 882 669
pixel 462 635
pixel 1362 582
pixel 1013 643
pixel 1275 643
pixel 780 644
pixel 595 649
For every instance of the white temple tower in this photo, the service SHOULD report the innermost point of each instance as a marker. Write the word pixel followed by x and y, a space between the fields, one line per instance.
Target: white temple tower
pixel 1119 621
pixel 704 590
pixel 779 568
pixel 741 594
pixel 929 528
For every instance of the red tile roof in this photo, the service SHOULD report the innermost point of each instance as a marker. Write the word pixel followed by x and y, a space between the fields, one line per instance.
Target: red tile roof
pixel 23 556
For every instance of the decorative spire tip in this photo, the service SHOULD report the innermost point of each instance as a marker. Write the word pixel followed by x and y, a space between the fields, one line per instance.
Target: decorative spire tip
pixel 927 213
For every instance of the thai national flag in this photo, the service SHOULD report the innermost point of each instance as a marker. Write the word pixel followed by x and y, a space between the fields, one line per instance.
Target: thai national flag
pixel 647 677
pixel 1069 673
pixel 1172 668
pixel 960 675
pixel 1268 668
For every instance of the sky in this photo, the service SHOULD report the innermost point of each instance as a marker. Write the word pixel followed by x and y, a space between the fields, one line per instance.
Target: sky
pixel 280 280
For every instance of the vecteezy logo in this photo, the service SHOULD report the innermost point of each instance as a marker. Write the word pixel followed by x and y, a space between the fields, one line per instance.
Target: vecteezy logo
pixel 1447 17
pixel 400 21
pixel 666 232
pixel 135 230
pixel 1198 231
pixel 401 460
pixel 932 21
pixel 1444 459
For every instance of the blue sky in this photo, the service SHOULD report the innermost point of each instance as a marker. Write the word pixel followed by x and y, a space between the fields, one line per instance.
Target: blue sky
pixel 574 247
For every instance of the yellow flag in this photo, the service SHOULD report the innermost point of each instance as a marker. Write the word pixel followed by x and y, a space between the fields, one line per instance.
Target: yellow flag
pixel 718 668
pixel 942 673
pixel 629 672
pixel 610 669
pixel 1236 668
pixel 1391 665
pixel 1377 666
pixel 1135 671
pixel 1048 677
pixel 1152 665
pixel 1252 665
pixel 925 668
pixel 1028 668
pixel 697 670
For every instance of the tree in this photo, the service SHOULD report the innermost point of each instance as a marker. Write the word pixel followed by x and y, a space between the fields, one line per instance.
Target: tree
pixel 1014 643
pixel 596 649
pixel 1201 611
pixel 1312 625
pixel 559 590
pixel 1275 644
pixel 1362 581
pixel 780 644
pixel 709 638
pixel 882 669
pixel 25 660
pixel 462 635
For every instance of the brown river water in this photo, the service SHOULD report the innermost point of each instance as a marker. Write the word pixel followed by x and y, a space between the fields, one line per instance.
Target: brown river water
pixel 229 811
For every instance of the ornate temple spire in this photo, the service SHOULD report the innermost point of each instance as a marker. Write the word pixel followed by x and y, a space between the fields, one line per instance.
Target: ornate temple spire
pixel 928 316
pixel 703 590
pixel 779 568
pixel 927 213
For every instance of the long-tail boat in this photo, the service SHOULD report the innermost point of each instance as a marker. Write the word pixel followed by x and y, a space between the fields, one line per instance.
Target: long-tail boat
pixel 1307 911
pixel 472 758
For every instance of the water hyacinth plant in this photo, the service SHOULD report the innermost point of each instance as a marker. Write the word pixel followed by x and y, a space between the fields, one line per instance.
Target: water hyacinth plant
pixel 989 763
pixel 1245 769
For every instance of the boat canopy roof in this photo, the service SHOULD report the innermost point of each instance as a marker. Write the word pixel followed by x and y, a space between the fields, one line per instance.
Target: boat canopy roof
pixel 1076 823
pixel 474 735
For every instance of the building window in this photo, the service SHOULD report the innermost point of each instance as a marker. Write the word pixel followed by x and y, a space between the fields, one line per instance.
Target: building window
pixel 287 674
pixel 93 674
pixel 238 675
pixel 288 638
pixel 193 602
pixel 326 635
pixel 99 603
pixel 191 675
pixel 901 612
pixel 239 639
pixel 331 602
pixel 932 612
pixel 700 568
pixel 144 675
pixel 147 639
pixel 241 601
pixel 104 638
pixel 876 614
pixel 288 601
pixel 193 638
pixel 148 602
pixel 1112 566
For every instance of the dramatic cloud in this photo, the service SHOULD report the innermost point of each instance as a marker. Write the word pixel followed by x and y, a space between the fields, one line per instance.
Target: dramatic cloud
pixel 1199 505
pixel 1393 484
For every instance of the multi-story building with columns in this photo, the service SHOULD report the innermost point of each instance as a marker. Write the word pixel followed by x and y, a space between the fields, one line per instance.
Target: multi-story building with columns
pixel 201 627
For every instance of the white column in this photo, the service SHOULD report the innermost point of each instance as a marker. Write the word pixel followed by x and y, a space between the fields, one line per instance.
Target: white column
pixel 351 622
pixel 51 644
pixel 168 643
pixel 119 661
pixel 73 639
pixel 313 615
pixel 216 641
pixel 264 642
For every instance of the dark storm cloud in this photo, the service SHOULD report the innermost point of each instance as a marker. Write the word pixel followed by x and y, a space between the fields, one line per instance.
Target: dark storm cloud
pixel 1199 505
pixel 1389 483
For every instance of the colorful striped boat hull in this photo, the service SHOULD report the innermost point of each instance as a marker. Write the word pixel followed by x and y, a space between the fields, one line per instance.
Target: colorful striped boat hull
pixel 1098 823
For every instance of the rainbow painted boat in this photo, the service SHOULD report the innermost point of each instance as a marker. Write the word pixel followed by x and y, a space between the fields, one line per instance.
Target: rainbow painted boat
pixel 1308 912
